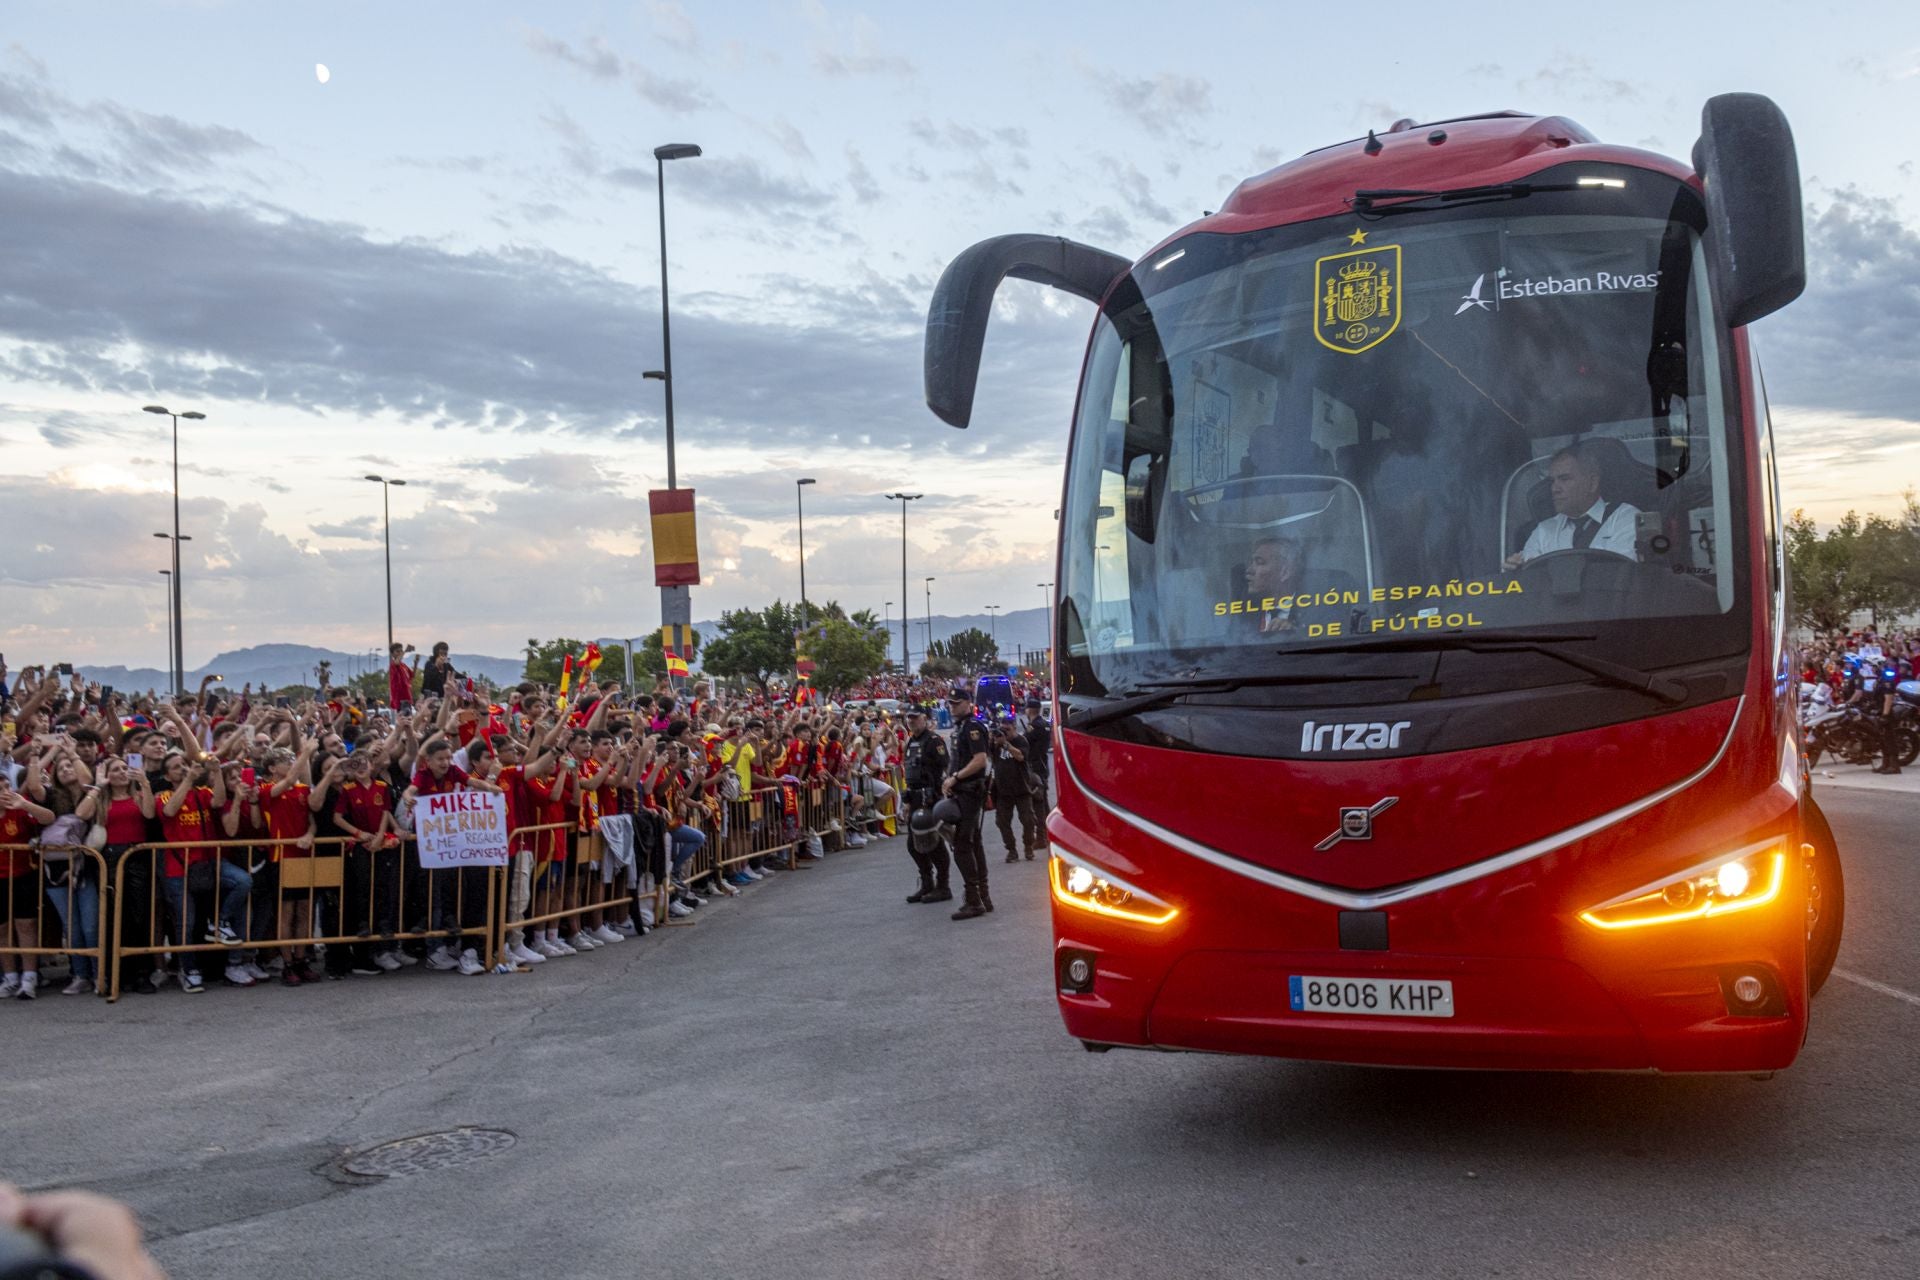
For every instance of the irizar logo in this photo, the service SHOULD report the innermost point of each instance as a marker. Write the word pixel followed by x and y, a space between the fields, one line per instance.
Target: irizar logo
pixel 1471 298
pixel 1366 735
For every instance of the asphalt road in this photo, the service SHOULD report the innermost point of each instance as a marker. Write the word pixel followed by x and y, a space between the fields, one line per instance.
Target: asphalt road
pixel 818 1080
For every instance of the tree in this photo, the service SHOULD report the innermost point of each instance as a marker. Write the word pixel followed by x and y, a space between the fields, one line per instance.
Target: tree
pixel 973 649
pixel 844 654
pixel 544 660
pixel 753 644
pixel 1817 574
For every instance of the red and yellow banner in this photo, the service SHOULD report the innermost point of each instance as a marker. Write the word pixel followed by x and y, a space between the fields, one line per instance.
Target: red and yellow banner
pixel 676 548
pixel 676 665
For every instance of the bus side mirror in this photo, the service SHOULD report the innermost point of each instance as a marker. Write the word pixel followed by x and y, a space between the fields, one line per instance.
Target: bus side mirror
pixel 1745 159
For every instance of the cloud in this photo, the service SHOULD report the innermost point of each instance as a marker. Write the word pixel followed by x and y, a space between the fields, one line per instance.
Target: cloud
pixel 731 182
pixel 860 179
pixel 144 296
pixel 105 139
pixel 598 60
pixel 1571 76
pixel 672 25
pixel 1847 343
pixel 1165 105
pixel 845 49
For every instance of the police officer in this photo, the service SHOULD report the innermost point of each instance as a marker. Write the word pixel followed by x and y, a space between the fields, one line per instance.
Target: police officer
pixel 1012 792
pixel 1889 732
pixel 966 783
pixel 1039 755
pixel 926 767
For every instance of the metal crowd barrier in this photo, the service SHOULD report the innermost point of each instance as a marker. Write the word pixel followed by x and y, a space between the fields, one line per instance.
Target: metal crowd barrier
pixel 31 895
pixel 340 894
pixel 337 894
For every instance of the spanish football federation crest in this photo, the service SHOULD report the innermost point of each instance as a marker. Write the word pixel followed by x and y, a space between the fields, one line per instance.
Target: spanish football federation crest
pixel 1357 298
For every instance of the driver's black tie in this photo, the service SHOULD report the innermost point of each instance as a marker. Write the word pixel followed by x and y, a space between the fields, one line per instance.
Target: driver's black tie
pixel 1583 532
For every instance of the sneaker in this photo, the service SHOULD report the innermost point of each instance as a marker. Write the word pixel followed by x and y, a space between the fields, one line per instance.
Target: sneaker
pixel 604 934
pixel 386 961
pixel 191 984
pixel 856 841
pixel 224 935
pixel 277 965
pixel 558 946
pixel 29 986
pixel 9 986
pixel 442 959
pixel 290 978
pixel 470 962
pixel 77 987
pixel 366 969
pixel 751 874
pixel 524 954
pixel 307 974
pixel 677 908
pixel 626 929
pixel 238 977
pixel 255 972
pixel 161 977
pixel 541 947
pixel 406 960
pixel 581 942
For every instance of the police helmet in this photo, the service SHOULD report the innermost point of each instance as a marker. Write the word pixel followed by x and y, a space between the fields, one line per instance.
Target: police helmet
pixel 924 831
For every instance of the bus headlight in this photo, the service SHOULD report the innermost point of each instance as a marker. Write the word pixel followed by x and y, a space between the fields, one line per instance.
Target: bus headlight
pixel 1739 881
pixel 1077 883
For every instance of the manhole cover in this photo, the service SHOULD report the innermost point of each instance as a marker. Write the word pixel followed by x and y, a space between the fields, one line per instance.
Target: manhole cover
pixel 426 1152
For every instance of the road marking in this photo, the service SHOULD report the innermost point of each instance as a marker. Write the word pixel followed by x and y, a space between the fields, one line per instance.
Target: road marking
pixel 1881 987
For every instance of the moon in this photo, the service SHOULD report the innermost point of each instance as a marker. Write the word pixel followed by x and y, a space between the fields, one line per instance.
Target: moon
pixel 321 73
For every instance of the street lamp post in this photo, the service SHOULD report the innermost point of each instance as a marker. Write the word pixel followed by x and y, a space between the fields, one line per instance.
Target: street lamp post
pixel 171 667
pixel 906 656
pixel 929 617
pixel 993 624
pixel 1046 609
pixel 179 642
pixel 676 603
pixel 386 521
pixel 179 670
pixel 800 510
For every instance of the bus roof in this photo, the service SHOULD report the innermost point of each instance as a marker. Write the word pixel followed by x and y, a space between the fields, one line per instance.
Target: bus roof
pixel 1470 151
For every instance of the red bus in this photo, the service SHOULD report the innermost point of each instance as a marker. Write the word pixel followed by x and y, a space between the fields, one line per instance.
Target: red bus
pixel 1422 687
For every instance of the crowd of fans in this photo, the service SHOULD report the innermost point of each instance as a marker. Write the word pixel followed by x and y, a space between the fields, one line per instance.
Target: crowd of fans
pixel 274 777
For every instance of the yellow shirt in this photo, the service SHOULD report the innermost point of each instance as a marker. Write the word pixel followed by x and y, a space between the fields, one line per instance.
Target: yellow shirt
pixel 743 765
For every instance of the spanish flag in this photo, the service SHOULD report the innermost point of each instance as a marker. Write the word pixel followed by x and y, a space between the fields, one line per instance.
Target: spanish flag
pixel 676 665
pixel 676 549
pixel 592 659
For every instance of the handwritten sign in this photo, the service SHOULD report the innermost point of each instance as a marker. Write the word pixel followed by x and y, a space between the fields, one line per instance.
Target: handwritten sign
pixel 462 829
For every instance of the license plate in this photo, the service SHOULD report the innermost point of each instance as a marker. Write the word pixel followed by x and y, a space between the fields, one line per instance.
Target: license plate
pixel 1381 997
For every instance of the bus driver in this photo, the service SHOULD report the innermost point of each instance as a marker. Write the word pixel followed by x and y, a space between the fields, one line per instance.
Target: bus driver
pixel 1582 520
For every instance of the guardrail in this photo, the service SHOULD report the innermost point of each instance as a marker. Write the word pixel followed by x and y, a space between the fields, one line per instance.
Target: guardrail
pixel 120 911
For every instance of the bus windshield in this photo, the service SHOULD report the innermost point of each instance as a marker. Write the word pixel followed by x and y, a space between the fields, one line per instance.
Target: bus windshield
pixel 1329 434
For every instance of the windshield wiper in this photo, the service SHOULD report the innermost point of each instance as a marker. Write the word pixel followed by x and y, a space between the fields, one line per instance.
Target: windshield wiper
pixel 1614 673
pixel 1163 692
pixel 1367 200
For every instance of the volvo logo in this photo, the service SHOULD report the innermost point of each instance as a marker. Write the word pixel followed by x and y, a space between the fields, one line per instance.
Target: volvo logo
pixel 1357 823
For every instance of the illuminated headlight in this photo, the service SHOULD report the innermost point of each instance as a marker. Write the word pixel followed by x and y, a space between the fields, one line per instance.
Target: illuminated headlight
pixel 1739 881
pixel 1083 885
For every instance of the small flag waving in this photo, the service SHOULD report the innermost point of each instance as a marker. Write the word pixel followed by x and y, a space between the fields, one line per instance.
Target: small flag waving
pixel 676 665
pixel 592 659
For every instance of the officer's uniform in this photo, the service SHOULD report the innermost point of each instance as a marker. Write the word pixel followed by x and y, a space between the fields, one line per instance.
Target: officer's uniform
pixel 1039 758
pixel 1013 796
pixel 969 855
pixel 926 765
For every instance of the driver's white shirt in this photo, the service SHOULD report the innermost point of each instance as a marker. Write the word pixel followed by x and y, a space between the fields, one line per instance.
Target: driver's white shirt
pixel 1556 532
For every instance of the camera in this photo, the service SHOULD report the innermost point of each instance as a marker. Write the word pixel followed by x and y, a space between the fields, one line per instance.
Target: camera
pixel 64 668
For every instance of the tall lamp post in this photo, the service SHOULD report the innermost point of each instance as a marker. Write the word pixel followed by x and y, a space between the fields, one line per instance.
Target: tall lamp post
pixel 676 603
pixel 386 521
pixel 906 656
pixel 800 510
pixel 179 642
pixel 171 667
pixel 1046 609
pixel 929 616
pixel 179 672
pixel 993 625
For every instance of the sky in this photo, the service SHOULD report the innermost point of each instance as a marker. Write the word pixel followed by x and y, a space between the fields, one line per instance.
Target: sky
pixel 443 264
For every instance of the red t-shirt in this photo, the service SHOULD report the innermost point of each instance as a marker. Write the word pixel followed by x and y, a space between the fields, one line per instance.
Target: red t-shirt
pixel 192 824
pixel 16 827
pixel 288 818
pixel 427 785
pixel 513 780
pixel 125 823
pixel 363 807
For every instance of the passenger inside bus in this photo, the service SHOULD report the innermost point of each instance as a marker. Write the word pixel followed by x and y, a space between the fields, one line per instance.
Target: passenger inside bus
pixel 1584 517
